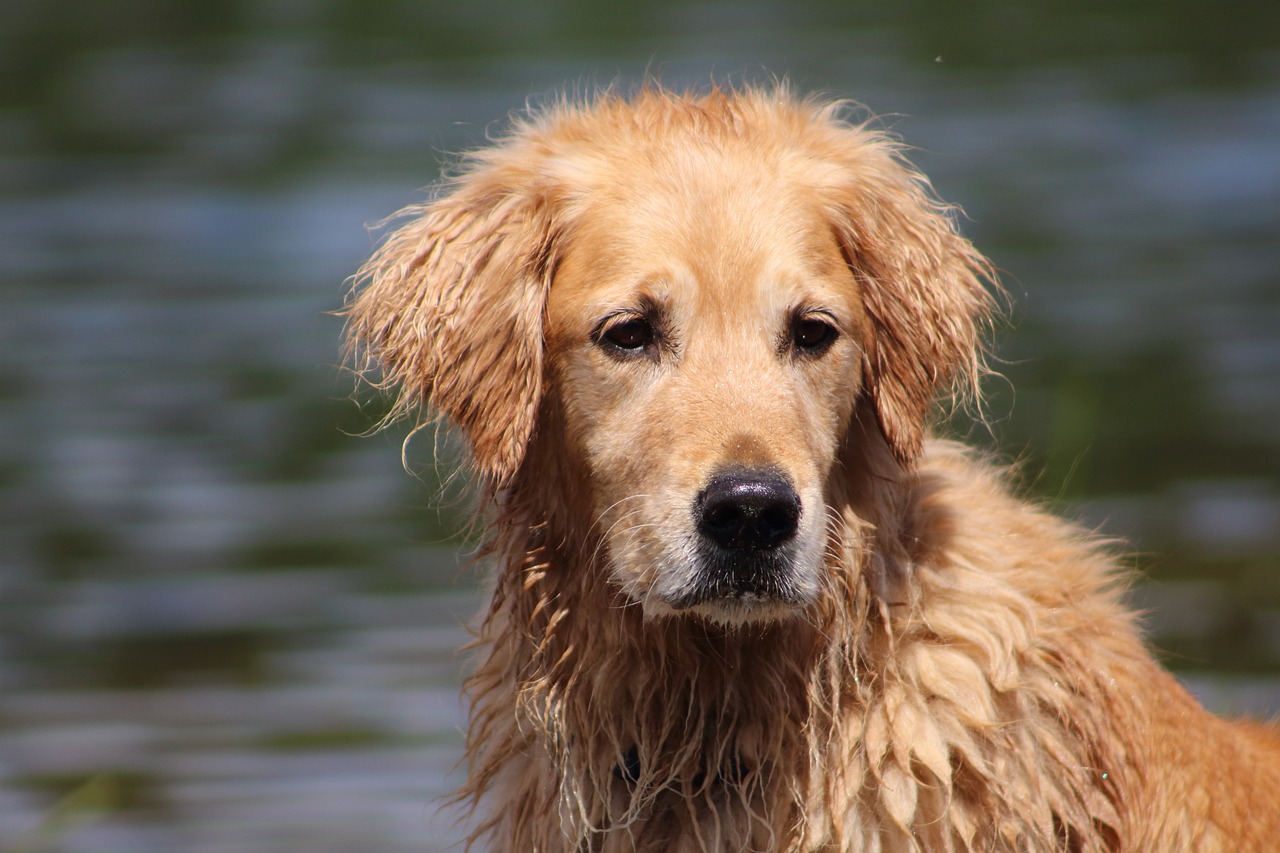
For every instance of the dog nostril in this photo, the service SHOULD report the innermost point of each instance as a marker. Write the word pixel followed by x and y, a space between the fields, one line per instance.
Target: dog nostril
pixel 778 523
pixel 749 510
pixel 723 520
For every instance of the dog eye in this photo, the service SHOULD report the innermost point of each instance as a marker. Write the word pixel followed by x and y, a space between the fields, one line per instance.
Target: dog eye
pixel 633 334
pixel 812 335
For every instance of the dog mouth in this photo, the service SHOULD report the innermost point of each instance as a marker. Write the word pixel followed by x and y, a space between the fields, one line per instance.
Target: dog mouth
pixel 756 581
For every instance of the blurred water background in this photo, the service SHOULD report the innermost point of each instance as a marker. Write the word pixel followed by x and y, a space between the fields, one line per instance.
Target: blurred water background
pixel 227 624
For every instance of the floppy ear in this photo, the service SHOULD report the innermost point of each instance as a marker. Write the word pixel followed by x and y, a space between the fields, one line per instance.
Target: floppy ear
pixel 921 284
pixel 450 309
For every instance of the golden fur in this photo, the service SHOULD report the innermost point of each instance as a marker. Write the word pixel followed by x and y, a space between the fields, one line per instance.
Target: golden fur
pixel 624 299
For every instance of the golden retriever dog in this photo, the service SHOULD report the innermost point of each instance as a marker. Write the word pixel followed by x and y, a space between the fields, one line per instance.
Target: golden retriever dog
pixel 743 601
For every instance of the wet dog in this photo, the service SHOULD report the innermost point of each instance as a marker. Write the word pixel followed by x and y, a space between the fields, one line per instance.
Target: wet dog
pixel 742 600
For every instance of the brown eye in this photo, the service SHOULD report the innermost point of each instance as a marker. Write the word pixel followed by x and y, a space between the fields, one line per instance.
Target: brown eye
pixel 633 334
pixel 812 335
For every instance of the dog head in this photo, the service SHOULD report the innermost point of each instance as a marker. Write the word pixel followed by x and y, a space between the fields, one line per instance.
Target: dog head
pixel 706 290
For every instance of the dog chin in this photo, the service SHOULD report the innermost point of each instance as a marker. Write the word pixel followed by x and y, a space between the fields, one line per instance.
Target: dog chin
pixel 730 611
pixel 744 612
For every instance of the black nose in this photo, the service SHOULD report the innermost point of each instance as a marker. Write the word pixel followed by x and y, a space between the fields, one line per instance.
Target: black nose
pixel 748 510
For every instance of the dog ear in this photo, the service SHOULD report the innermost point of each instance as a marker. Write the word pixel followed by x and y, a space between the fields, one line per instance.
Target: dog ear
pixel 922 285
pixel 450 310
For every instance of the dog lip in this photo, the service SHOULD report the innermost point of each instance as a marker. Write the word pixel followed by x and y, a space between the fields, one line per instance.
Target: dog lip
pixel 744 579
pixel 743 608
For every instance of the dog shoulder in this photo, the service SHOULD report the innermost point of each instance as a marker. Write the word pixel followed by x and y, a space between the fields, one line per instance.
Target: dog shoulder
pixel 965 506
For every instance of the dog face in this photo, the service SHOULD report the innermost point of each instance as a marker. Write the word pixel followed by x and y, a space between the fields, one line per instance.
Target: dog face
pixel 703 288
pixel 705 338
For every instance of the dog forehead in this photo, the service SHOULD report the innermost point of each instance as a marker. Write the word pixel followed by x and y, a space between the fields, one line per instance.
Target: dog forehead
pixel 704 246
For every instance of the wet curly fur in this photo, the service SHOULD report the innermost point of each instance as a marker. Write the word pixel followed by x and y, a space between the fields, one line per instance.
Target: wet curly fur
pixel 626 303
